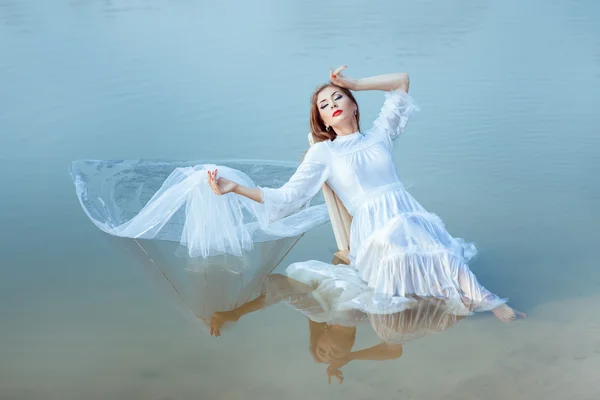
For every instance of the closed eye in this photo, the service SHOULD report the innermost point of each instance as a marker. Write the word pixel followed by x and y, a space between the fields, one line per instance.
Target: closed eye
pixel 336 99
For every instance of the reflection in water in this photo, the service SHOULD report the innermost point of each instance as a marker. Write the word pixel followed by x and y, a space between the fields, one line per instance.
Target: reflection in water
pixel 213 293
pixel 200 287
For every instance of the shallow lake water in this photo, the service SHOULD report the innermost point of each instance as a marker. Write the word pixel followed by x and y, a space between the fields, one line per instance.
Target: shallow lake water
pixel 505 150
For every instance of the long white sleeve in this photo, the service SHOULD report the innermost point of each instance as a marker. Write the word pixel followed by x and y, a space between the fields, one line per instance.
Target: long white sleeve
pixel 394 115
pixel 304 184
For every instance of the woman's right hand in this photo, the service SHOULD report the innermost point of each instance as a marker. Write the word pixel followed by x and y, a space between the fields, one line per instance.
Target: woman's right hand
pixel 337 78
pixel 220 185
pixel 334 370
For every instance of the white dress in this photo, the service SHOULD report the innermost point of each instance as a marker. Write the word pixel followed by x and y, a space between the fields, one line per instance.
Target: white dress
pixel 397 248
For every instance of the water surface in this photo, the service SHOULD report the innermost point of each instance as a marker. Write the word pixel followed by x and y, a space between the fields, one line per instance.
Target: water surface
pixel 505 150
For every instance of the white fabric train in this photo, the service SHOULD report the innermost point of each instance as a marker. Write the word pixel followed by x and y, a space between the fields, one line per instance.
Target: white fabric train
pixel 184 209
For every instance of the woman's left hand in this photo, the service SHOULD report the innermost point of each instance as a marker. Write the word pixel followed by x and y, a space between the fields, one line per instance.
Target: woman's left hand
pixel 337 78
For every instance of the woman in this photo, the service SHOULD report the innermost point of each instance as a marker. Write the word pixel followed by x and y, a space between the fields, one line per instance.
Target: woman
pixel 396 246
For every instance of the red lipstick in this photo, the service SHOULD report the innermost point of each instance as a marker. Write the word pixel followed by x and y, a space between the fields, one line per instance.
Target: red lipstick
pixel 337 112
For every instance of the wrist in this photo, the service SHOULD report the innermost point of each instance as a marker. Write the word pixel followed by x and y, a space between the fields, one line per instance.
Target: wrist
pixel 234 315
pixel 355 84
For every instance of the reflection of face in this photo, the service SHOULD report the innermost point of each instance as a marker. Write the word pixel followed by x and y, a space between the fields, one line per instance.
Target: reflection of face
pixel 332 99
pixel 333 345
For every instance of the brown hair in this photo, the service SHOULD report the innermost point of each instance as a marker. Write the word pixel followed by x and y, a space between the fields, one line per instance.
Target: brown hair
pixel 317 127
pixel 344 339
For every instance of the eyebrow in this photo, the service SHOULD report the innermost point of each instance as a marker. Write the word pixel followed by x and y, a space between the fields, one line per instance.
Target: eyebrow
pixel 337 91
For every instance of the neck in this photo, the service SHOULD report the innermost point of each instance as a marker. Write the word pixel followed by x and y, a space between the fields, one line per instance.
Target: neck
pixel 347 129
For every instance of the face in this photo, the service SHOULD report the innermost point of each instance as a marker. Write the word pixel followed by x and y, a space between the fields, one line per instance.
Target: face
pixel 335 107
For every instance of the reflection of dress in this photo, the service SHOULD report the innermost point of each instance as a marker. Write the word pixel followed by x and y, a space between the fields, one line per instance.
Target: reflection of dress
pixel 199 287
pixel 425 317
pixel 396 246
pixel 395 321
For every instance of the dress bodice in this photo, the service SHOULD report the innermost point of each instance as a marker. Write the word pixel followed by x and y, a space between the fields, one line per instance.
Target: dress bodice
pixel 361 165
pixel 356 166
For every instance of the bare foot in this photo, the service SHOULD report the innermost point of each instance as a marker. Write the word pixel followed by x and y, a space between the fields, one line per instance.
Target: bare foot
pixel 506 314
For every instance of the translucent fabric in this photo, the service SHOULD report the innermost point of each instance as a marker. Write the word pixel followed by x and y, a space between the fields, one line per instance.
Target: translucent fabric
pixel 425 317
pixel 173 201
pixel 341 297
pixel 199 287
pixel 337 296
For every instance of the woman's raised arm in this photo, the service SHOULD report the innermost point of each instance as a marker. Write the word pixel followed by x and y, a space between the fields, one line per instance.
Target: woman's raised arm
pixel 386 82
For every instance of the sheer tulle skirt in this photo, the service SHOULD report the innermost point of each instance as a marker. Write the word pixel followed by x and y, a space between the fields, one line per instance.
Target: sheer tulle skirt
pixel 172 201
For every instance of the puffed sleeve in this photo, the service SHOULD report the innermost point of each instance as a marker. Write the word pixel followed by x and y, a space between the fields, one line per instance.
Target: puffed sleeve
pixel 394 115
pixel 304 184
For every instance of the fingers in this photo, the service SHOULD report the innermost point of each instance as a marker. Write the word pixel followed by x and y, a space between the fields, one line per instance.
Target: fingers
pixel 340 69
pixel 334 372
pixel 334 76
pixel 212 182
pixel 337 374
pixel 215 326
pixel 215 330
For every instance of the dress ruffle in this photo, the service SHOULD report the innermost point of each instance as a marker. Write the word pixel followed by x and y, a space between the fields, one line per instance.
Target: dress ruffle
pixel 397 110
pixel 426 317
pixel 422 229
